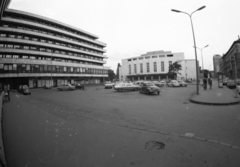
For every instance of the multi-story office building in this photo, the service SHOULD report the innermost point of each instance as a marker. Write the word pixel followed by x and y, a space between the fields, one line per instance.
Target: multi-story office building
pixel 36 50
pixel 216 64
pixel 155 66
pixel 231 61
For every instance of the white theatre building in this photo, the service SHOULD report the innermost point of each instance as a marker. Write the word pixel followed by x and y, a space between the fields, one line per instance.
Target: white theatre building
pixel 155 65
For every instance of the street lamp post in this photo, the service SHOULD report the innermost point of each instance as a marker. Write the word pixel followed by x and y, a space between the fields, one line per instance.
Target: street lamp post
pixel 190 15
pixel 201 54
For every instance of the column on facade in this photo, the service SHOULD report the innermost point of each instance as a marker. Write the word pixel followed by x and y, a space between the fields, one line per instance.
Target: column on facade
pixel 159 78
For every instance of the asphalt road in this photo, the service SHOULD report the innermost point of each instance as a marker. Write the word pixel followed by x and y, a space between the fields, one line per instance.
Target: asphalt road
pixel 99 127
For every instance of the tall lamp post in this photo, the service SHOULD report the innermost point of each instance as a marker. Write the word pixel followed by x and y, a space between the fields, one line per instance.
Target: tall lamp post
pixel 190 15
pixel 201 54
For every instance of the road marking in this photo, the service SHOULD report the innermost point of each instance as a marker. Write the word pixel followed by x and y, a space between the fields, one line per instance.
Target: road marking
pixel 17 96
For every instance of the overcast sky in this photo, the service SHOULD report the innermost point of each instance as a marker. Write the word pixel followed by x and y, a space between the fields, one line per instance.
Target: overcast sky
pixel 133 27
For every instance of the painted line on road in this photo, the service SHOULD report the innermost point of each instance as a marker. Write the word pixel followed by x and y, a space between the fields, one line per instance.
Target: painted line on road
pixel 172 134
pixel 17 96
pixel 165 133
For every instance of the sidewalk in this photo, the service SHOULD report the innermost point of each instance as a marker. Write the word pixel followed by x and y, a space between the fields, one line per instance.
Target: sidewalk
pixel 216 95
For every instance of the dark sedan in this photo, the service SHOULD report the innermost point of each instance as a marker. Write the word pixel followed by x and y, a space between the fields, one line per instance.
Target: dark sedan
pixel 24 89
pixel 79 86
pixel 149 88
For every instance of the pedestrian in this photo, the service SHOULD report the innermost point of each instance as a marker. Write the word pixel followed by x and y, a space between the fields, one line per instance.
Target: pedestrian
pixel 5 93
pixel 210 82
pixel 8 90
pixel 205 83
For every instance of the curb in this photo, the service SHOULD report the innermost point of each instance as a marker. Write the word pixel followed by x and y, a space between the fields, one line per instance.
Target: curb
pixel 212 103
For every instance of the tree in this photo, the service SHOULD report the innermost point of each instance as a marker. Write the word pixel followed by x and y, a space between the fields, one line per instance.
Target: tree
pixel 175 68
pixel 111 75
pixel 117 75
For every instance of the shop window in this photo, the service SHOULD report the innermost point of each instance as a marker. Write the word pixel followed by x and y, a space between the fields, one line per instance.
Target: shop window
pixel 14 67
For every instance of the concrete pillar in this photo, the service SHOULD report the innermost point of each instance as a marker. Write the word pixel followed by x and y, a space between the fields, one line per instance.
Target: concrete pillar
pixel 151 77
pixel 138 78
pixel 145 78
pixel 159 78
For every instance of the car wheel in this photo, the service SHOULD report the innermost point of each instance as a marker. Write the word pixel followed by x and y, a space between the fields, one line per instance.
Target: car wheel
pixel 118 90
pixel 121 90
pixel 148 92
pixel 158 93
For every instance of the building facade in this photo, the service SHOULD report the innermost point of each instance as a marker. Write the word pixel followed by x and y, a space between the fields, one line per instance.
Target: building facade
pixel 35 50
pixel 231 61
pixel 155 66
pixel 217 59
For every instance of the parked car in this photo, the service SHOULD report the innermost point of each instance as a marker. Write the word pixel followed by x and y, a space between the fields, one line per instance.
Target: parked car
pixel 225 81
pixel 231 84
pixel 109 85
pixel 126 86
pixel 24 89
pixel 157 83
pixel 238 89
pixel 149 87
pixel 182 83
pixel 173 83
pixel 79 86
pixel 47 86
pixel 163 83
pixel 66 87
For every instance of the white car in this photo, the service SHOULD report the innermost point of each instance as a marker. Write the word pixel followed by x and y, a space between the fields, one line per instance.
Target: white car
pixel 66 87
pixel 126 86
pixel 109 85
pixel 173 83
pixel 238 89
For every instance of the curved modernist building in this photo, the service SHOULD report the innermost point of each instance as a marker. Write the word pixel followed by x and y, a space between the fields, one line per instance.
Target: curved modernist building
pixel 36 50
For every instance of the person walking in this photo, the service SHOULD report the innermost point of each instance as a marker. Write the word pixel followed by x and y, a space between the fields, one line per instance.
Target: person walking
pixel 6 97
pixel 8 90
pixel 205 83
pixel 210 82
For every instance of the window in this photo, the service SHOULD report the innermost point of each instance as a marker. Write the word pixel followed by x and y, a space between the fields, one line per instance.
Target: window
pixel 25 57
pixel 14 66
pixel 34 39
pixel 42 49
pixel 25 37
pixel 170 55
pixel 25 47
pixel 12 36
pixel 32 57
pixel 5 67
pixel 141 68
pixel 161 55
pixel 16 46
pixel 155 66
pixel 33 48
pixel 3 35
pixel 9 56
pixel 154 56
pixel 28 67
pixel 135 68
pixel 19 37
pixel 129 69
pixel 147 57
pixel 129 59
pixel 9 46
pixel 15 56
pixel 1 45
pixel 148 68
pixel 162 65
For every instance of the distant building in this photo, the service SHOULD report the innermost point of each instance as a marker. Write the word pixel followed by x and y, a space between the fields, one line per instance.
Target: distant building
pixel 216 64
pixel 155 66
pixel 231 61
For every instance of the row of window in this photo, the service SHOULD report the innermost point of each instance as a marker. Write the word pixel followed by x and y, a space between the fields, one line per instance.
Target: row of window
pixel 148 57
pixel 8 56
pixel 48 41
pixel 49 33
pixel 34 68
pixel 43 49
pixel 35 20
pixel 148 67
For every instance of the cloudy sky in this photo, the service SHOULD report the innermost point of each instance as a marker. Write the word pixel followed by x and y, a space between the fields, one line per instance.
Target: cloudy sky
pixel 133 27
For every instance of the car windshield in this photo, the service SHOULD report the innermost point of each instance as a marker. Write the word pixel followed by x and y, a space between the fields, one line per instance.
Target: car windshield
pixel 25 87
pixel 150 84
